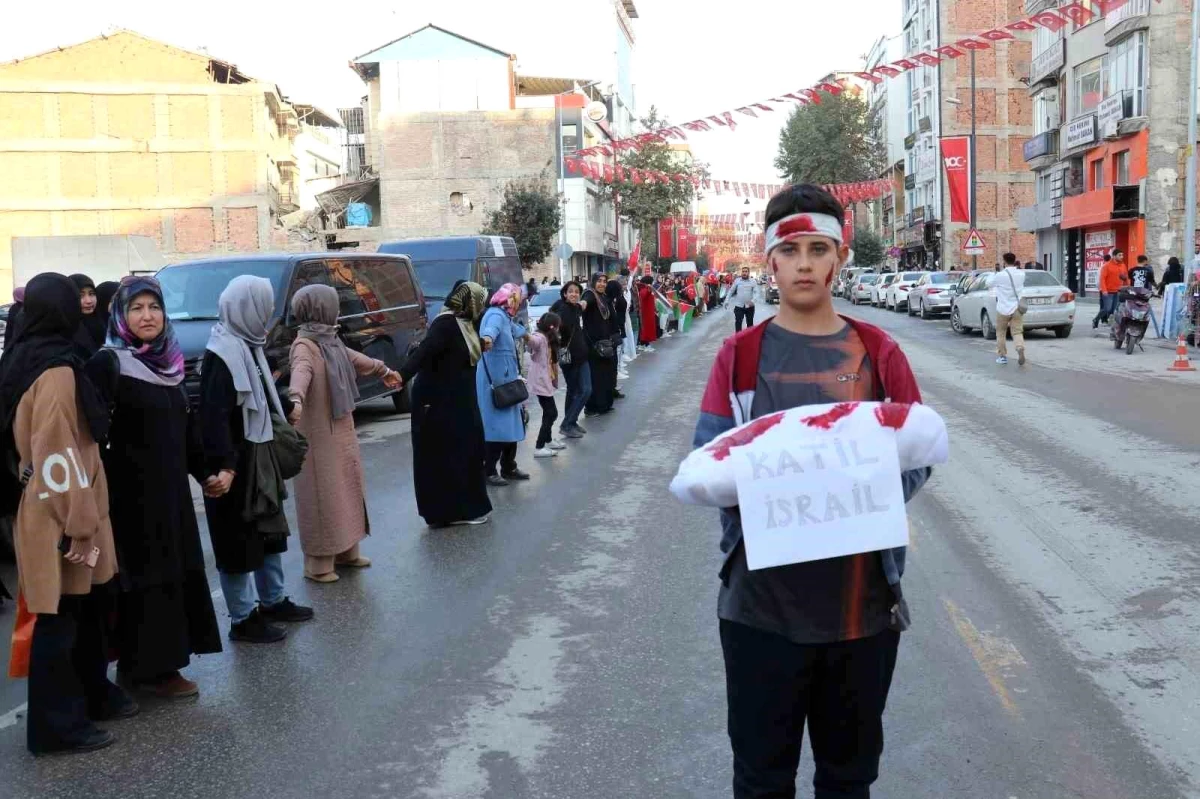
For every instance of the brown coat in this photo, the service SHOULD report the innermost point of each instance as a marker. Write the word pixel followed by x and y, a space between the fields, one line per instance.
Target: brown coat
pixel 67 494
pixel 330 491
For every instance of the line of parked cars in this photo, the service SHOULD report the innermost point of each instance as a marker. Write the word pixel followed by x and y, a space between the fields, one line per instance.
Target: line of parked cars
pixel 968 298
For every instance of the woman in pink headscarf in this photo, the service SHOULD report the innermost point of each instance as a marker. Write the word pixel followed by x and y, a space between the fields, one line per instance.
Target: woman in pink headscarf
pixel 503 428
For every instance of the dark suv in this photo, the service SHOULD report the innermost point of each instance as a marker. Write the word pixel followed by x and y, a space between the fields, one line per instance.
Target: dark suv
pixel 382 309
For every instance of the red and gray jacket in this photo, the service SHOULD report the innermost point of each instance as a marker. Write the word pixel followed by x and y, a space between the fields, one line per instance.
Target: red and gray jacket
pixel 729 397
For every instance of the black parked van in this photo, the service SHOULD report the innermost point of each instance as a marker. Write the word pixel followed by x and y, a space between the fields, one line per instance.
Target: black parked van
pixel 382 311
pixel 490 261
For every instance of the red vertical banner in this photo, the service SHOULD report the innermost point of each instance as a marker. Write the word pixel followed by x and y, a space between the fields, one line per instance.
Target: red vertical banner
pixel 956 158
pixel 666 238
pixel 848 228
pixel 683 244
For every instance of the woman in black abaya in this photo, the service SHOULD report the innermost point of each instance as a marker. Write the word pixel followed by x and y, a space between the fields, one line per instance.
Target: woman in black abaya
pixel 447 429
pixel 598 324
pixel 93 327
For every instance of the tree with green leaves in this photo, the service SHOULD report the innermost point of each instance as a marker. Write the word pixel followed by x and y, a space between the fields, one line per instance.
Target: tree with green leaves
pixel 868 248
pixel 833 141
pixel 530 213
pixel 645 203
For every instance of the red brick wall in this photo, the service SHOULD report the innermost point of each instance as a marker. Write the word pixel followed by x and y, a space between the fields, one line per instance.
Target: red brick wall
pixel 241 229
pixel 194 230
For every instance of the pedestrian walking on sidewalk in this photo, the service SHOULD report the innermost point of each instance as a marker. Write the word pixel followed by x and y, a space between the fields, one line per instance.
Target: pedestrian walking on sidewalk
pixel 1009 314
pixel 503 428
pixel 54 415
pixel 574 359
pixel 810 644
pixel 448 445
pixel 331 503
pixel 615 295
pixel 1113 276
pixel 544 348
pixel 165 611
pixel 741 296
pixel 237 397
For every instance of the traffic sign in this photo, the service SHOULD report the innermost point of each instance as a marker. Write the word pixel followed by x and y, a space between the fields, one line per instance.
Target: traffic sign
pixel 564 251
pixel 974 244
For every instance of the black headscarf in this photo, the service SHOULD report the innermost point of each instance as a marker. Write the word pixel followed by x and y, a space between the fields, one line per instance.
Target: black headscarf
pixel 104 297
pixel 615 293
pixel 51 317
pixel 93 327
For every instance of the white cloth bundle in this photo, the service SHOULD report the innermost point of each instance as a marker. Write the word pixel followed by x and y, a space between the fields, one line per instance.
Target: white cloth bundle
pixel 706 476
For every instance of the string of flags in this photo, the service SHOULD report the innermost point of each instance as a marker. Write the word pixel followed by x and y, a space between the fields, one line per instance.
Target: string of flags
pixel 1079 12
pixel 846 193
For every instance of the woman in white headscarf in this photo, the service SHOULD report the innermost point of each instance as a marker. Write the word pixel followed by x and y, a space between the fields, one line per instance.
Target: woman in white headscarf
pixel 237 396
pixel 331 501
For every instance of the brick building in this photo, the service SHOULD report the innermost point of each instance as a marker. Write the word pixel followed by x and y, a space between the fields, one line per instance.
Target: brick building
pixel 1003 124
pixel 126 135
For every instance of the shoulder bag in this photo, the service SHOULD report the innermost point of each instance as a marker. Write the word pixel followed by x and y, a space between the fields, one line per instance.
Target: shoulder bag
pixel 605 349
pixel 289 444
pixel 506 395
pixel 1021 306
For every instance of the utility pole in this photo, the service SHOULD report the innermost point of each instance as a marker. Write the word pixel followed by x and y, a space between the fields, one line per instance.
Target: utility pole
pixel 975 258
pixel 562 191
pixel 1189 225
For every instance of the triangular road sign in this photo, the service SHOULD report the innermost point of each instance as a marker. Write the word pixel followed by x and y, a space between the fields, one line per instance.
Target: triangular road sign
pixel 974 244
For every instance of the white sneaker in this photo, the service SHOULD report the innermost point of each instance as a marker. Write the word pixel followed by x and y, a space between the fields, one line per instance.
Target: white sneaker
pixel 622 375
pixel 648 349
pixel 544 452
pixel 557 446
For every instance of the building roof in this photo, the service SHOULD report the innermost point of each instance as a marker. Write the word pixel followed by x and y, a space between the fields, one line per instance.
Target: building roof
pixel 221 71
pixel 315 116
pixel 537 86
pixel 420 45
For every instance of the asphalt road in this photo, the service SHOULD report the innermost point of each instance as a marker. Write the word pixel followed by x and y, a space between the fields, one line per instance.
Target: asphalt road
pixel 570 649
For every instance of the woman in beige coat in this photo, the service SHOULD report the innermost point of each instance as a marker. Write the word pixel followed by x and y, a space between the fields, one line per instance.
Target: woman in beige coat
pixel 64 541
pixel 330 491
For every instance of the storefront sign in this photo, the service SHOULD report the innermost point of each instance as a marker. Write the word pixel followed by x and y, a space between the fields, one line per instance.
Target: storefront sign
pixel 1048 62
pixel 956 156
pixel 1096 246
pixel 1080 131
pixel 1110 113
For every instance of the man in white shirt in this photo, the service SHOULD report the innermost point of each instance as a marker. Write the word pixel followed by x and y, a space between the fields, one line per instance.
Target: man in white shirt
pixel 1008 283
pixel 741 296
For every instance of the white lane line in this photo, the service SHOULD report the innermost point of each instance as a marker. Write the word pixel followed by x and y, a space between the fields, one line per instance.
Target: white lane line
pixel 11 717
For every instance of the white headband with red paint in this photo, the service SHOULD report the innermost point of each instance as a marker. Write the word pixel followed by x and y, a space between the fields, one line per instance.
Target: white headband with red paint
pixel 797 225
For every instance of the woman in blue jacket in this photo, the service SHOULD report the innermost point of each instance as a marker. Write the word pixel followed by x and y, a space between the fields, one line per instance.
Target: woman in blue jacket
pixel 503 428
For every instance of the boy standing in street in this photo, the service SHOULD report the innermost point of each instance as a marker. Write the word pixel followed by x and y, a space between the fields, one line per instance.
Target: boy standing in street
pixel 810 643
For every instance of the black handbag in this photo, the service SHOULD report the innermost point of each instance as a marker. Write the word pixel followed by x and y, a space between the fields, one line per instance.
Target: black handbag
pixel 507 394
pixel 289 444
pixel 605 349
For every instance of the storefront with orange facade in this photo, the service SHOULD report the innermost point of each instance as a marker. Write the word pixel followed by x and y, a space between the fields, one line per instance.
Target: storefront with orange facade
pixel 1109 213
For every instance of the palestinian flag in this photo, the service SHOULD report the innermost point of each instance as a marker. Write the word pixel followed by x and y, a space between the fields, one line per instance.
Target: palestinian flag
pixel 686 315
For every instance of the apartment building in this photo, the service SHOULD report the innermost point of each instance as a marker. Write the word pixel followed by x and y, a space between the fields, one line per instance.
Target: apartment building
pixel 1107 153
pixel 127 135
pixel 918 231
pixel 889 103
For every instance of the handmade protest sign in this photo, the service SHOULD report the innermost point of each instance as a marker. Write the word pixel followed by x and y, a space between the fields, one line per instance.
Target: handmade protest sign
pixel 820 493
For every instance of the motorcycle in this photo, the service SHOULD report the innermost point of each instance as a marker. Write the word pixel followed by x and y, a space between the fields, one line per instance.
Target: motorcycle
pixel 1132 318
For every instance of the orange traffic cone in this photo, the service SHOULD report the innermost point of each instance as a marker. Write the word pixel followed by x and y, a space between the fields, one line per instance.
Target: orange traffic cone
pixel 1182 364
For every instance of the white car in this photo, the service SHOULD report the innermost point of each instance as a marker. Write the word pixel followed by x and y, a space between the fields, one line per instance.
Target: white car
pixel 541 303
pixel 860 289
pixel 897 292
pixel 879 289
pixel 1051 304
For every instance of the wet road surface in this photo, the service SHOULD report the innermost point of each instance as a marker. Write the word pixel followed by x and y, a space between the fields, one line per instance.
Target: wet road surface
pixel 569 649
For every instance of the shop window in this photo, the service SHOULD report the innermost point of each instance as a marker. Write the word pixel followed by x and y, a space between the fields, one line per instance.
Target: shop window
pixel 1121 168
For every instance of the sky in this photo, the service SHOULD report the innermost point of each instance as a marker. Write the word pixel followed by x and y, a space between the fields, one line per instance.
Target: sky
pixel 692 59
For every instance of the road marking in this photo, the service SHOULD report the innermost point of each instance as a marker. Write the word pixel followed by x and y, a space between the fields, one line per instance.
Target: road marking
pixel 11 717
pixel 994 655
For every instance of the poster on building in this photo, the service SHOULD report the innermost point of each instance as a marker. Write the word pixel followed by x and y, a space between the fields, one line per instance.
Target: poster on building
pixel 1096 246
pixel 956 156
pixel 666 238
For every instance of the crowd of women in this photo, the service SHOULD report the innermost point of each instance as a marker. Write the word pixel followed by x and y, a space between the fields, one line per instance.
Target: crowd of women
pixel 101 439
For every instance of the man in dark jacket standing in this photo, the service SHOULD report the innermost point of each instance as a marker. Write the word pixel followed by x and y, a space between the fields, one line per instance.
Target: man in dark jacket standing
pixel 810 643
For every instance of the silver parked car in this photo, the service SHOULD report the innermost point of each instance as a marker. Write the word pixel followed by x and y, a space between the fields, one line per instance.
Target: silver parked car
pixel 1051 304
pixel 860 288
pixel 879 289
pixel 932 294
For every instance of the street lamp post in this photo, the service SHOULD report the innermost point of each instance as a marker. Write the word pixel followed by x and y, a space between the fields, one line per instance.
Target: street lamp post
pixel 974 258
pixel 1189 229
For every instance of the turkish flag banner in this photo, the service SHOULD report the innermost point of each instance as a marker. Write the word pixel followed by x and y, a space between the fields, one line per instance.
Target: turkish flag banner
pixel 956 157
pixel 666 238
pixel 684 244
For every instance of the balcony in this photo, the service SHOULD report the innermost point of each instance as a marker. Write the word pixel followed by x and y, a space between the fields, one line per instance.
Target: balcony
pixel 1044 69
pixel 1132 15
pixel 1042 145
pixel 1107 204
pixel 1036 6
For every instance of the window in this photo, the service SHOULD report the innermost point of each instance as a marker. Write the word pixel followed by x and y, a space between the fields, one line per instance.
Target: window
pixel 1127 72
pixel 1121 168
pixel 1098 174
pixel 1045 112
pixel 1043 40
pixel 1045 186
pixel 1089 86
pixel 366 288
pixel 570 134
